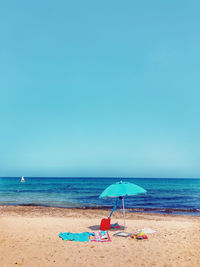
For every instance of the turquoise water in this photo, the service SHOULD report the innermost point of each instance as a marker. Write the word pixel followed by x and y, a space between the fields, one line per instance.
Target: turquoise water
pixel 163 195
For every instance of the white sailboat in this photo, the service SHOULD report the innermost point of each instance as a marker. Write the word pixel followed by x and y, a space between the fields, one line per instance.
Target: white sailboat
pixel 22 180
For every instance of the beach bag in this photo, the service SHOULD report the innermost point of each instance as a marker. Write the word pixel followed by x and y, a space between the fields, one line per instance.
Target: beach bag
pixel 105 224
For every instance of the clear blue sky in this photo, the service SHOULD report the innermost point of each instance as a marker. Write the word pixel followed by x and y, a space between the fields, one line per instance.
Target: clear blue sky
pixel 100 88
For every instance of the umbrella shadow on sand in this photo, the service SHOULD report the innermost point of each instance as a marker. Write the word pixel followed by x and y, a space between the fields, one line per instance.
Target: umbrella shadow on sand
pixel 97 227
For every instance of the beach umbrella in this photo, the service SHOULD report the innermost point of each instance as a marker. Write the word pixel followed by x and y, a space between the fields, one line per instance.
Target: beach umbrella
pixel 120 190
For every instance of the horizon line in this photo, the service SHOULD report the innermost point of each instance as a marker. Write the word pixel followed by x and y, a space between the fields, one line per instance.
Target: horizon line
pixel 107 177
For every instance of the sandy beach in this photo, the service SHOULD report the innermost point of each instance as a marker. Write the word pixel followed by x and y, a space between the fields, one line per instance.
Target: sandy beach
pixel 29 237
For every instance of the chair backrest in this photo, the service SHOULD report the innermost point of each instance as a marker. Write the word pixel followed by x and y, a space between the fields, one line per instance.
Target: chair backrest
pixel 105 224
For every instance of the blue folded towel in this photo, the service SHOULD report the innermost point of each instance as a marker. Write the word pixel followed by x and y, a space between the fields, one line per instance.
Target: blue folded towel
pixel 80 237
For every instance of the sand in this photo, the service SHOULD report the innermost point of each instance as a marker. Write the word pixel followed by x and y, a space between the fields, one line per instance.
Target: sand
pixel 29 237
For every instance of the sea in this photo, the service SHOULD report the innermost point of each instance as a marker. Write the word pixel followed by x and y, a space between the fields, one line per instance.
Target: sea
pixel 168 196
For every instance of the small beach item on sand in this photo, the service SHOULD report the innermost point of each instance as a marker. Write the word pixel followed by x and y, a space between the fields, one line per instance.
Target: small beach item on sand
pixel 115 226
pixel 139 236
pixel 101 236
pixel 120 190
pixel 147 230
pixel 123 234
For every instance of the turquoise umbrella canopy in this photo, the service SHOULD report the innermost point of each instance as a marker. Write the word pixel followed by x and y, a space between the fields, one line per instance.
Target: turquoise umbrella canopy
pixel 122 189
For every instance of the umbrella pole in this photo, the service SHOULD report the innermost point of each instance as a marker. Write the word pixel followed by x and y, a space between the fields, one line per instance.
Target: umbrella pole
pixel 123 211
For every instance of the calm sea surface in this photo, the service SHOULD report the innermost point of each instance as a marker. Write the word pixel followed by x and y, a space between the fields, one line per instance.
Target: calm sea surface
pixel 177 196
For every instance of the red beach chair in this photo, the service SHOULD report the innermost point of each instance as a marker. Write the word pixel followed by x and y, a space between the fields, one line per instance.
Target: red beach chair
pixel 105 224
